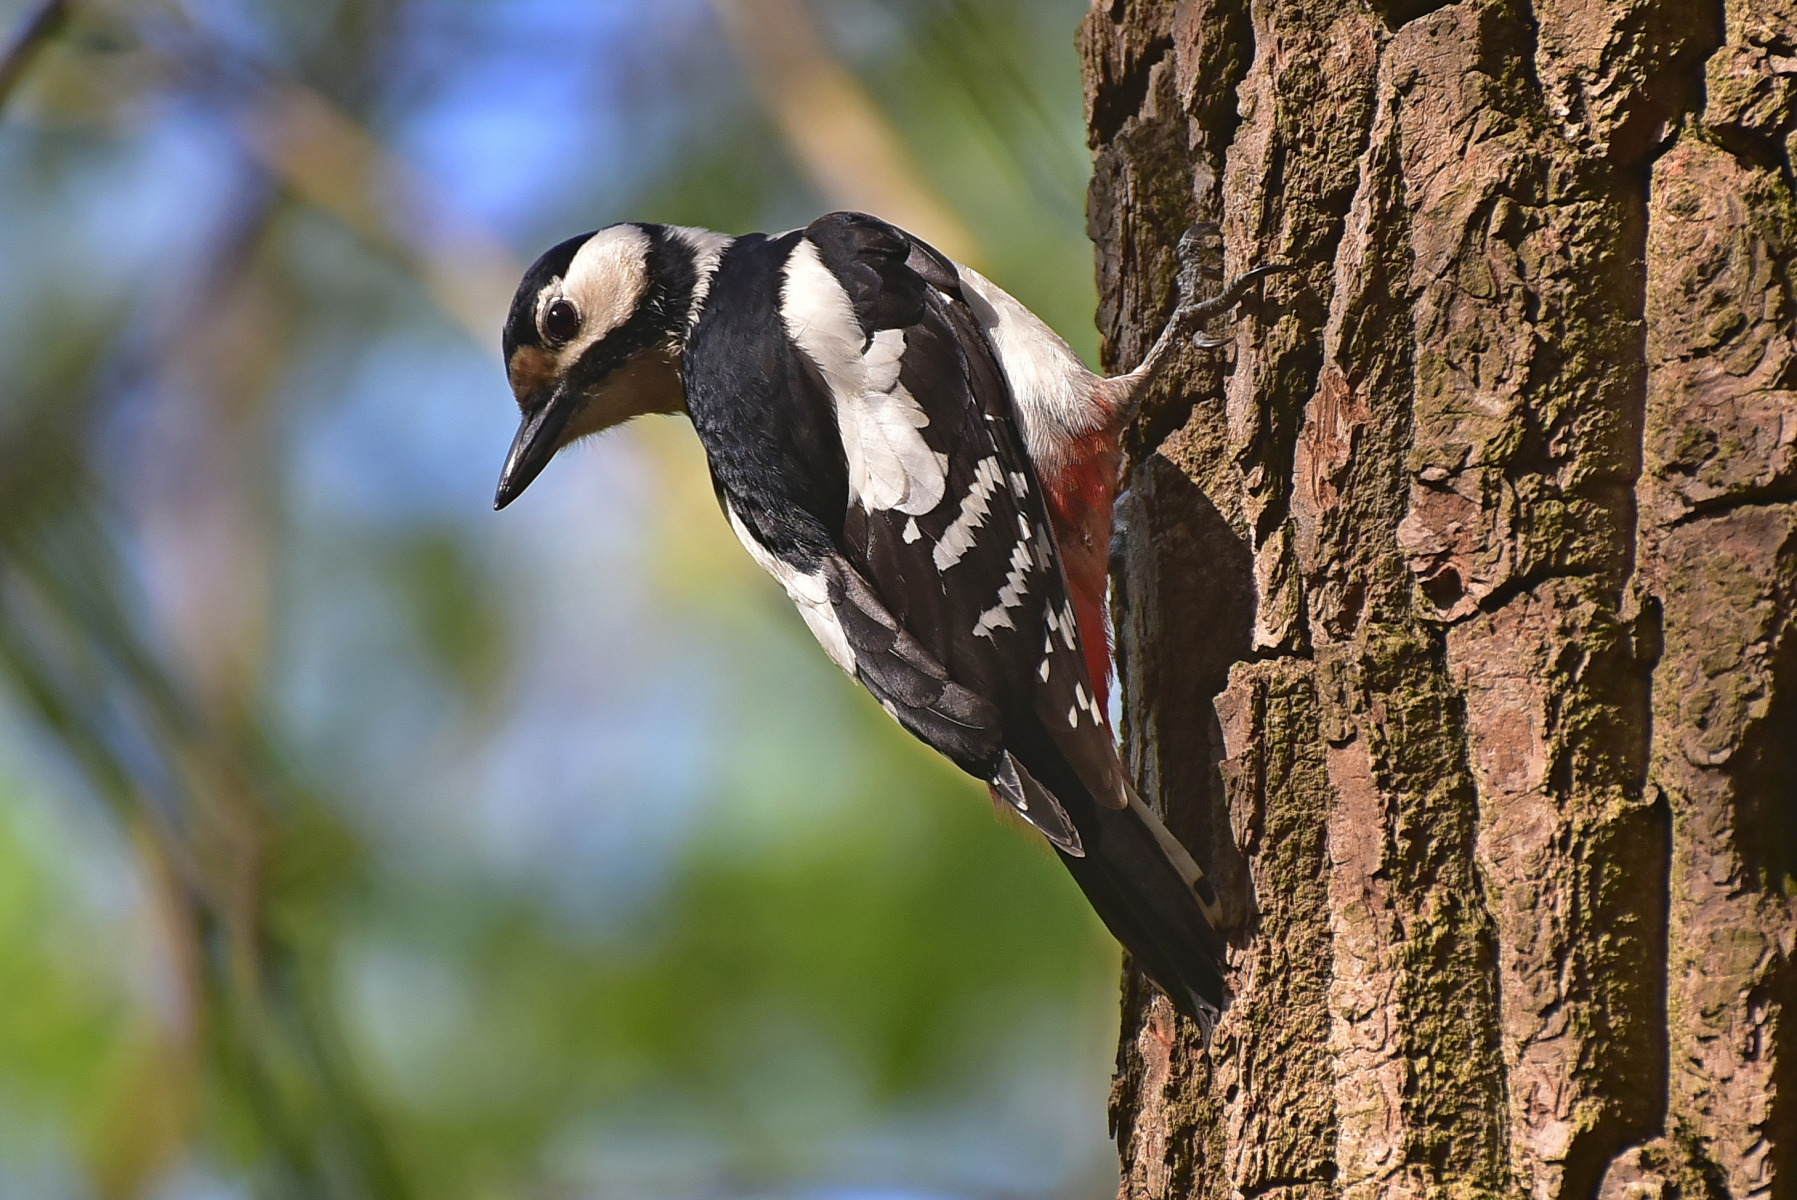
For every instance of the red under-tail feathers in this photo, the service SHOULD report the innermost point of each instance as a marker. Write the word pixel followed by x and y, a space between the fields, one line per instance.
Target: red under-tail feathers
pixel 1080 498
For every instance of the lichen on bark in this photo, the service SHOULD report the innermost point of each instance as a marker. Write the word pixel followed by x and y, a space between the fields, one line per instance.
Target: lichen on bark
pixel 1456 606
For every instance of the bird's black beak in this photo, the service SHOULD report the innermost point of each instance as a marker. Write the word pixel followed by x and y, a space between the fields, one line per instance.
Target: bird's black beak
pixel 535 444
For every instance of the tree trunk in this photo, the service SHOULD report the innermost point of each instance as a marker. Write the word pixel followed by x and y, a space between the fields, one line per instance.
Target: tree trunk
pixel 1455 603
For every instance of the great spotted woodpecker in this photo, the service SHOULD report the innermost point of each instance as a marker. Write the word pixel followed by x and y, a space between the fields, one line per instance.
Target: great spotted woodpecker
pixel 893 438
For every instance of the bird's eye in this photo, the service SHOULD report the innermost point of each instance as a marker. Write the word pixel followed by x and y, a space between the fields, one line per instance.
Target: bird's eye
pixel 561 321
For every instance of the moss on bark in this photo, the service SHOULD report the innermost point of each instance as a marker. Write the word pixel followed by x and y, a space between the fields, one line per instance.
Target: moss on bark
pixel 1456 603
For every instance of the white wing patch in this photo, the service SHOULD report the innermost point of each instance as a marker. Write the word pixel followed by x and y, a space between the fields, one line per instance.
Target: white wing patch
pixel 957 539
pixel 1016 586
pixel 1086 703
pixel 890 465
pixel 810 593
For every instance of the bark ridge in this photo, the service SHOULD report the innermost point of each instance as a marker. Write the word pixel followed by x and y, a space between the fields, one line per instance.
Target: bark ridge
pixel 1456 609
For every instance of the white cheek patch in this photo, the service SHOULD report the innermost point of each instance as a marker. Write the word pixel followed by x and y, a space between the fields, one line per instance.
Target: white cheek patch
pixel 606 281
pixel 890 464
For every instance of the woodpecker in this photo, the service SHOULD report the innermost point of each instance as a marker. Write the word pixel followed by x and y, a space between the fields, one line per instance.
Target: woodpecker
pixel 928 470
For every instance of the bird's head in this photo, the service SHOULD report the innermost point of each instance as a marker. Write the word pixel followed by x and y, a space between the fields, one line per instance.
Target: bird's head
pixel 594 338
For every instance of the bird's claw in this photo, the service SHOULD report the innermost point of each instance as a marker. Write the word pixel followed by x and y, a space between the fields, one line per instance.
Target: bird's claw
pixel 1194 314
pixel 1232 295
pixel 1201 260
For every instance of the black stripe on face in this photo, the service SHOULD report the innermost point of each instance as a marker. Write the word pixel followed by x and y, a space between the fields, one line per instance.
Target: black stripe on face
pixel 521 321
pixel 661 311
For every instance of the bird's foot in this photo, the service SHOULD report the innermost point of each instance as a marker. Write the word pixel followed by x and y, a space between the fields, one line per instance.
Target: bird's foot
pixel 1193 317
pixel 1201 261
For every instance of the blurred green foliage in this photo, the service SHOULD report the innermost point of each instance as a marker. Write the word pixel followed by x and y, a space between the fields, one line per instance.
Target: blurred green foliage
pixel 356 842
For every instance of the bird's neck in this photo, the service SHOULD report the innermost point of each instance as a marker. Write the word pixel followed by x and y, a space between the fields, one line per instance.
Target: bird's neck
pixel 657 377
pixel 649 381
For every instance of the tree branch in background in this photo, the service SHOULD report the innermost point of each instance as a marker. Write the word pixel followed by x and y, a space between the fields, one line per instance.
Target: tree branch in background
pixel 847 146
pixel 333 164
pixel 323 155
pixel 330 161
pixel 175 741
pixel 44 23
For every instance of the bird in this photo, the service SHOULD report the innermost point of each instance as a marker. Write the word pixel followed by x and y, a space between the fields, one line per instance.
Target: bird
pixel 928 470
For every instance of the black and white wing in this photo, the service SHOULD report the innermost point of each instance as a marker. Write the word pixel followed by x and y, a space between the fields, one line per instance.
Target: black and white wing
pixel 865 447
pixel 944 518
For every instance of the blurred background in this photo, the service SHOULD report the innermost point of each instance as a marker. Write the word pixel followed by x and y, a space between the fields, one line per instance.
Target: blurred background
pixel 357 841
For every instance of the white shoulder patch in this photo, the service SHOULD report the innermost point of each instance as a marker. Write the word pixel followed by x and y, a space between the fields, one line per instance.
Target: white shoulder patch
pixel 890 465
pixel 809 593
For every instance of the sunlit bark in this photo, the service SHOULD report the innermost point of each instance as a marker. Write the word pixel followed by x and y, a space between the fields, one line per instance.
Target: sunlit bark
pixel 1456 611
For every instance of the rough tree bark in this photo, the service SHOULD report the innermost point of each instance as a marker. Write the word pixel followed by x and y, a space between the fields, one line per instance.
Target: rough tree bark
pixel 1455 611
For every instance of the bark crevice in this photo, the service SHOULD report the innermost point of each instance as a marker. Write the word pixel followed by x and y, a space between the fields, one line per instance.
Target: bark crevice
pixel 1500 687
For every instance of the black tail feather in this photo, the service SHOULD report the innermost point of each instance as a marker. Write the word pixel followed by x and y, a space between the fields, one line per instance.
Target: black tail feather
pixel 1145 898
pixel 1147 906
